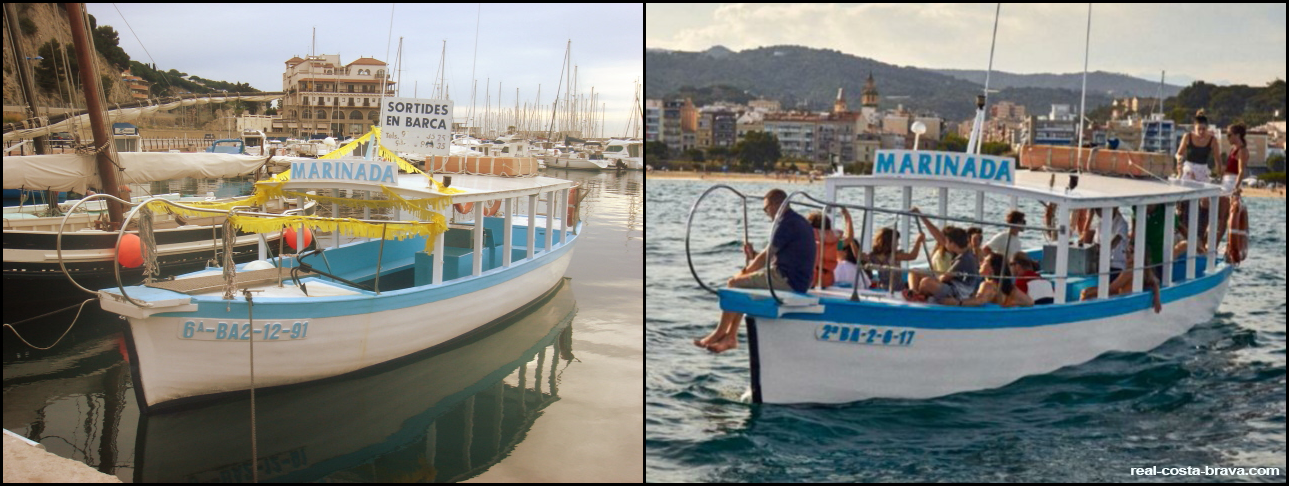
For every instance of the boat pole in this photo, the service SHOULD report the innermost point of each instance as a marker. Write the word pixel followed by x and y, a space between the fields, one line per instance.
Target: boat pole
pixel 98 120
pixel 380 255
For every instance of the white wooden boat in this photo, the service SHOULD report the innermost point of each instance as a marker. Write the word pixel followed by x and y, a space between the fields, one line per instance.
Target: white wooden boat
pixel 498 386
pixel 380 299
pixel 835 345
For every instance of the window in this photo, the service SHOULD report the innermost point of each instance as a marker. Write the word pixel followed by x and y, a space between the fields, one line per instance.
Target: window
pixel 351 102
pixel 293 115
pixel 308 114
pixel 351 88
pixel 337 115
pixel 306 101
pixel 373 116
pixel 322 115
pixel 356 115
pixel 365 100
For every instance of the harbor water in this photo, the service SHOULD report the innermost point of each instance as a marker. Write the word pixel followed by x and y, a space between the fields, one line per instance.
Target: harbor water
pixel 553 394
pixel 1212 397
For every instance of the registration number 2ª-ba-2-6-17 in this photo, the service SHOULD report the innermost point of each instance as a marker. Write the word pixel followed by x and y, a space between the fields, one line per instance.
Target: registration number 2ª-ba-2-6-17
pixel 241 331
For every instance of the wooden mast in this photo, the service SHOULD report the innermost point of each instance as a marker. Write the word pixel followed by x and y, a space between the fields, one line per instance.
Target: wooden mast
pixel 98 119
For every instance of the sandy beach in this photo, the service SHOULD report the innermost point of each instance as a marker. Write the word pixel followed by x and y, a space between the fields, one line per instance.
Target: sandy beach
pixel 741 177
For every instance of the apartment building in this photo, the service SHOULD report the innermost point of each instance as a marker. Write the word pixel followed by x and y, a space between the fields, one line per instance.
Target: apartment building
pixel 325 97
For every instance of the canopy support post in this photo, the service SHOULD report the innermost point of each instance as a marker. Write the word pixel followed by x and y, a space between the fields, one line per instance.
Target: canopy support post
pixel 1062 250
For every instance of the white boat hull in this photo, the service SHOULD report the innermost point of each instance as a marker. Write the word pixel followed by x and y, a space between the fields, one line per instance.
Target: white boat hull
pixel 171 368
pixel 564 163
pixel 949 350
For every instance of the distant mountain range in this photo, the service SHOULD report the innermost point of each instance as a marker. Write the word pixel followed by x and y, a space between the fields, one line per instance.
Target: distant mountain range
pixel 808 78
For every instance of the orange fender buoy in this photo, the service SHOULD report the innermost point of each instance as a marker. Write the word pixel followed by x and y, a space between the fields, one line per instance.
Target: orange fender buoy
pixel 1237 240
pixel 464 208
pixel 493 209
pixel 130 253
pixel 289 234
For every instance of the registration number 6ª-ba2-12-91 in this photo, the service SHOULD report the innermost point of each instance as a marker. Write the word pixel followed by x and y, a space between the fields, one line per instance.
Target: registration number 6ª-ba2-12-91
pixel 242 331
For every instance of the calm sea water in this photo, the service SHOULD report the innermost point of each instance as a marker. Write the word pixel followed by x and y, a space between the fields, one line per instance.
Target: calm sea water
pixel 1212 397
pixel 554 395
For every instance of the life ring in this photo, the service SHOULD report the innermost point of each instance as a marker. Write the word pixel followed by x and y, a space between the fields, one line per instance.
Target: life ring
pixel 1237 242
pixel 492 210
pixel 464 208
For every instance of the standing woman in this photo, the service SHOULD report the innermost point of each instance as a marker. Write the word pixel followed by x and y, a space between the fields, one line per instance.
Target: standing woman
pixel 1235 164
pixel 1197 154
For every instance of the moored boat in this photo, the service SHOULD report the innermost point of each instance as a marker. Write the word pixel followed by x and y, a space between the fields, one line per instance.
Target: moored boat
pixel 368 301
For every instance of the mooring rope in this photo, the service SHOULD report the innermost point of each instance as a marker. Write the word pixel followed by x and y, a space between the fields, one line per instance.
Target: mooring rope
pixel 230 270
pixel 149 246
pixel 60 338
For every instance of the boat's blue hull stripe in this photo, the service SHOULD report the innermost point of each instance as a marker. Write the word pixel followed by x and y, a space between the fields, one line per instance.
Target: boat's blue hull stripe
pixel 989 317
pixel 213 307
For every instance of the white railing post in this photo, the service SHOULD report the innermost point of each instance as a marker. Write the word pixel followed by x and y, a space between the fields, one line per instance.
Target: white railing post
pixel 1139 252
pixel 478 238
pixel 532 221
pixel 1062 250
pixel 1106 234
pixel 1170 230
pixel 550 218
pixel 506 237
pixel 1213 215
pixel 868 222
pixel 1192 238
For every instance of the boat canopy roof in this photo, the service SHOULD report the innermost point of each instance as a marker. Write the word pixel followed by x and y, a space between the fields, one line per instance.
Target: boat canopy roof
pixel 74 172
pixel 1050 187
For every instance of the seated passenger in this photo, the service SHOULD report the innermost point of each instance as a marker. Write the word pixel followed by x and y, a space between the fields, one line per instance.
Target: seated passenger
pixel 823 268
pixel 974 236
pixel 1123 284
pixel 993 290
pixel 848 259
pixel 1007 241
pixel 884 245
pixel 794 253
pixel 962 278
pixel 941 258
pixel 1029 280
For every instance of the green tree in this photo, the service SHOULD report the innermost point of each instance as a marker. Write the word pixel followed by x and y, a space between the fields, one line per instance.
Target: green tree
pixel 759 150
pixel 28 27
pixel 657 151
pixel 1273 177
pixel 995 148
pixel 953 143
pixel 107 42
pixel 1276 163
pixel 49 71
pixel 695 155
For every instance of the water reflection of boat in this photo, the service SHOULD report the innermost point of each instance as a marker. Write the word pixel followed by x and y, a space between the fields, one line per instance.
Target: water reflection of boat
pixel 446 416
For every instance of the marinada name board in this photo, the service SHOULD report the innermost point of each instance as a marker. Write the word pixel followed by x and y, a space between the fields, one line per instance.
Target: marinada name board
pixel 345 170
pixel 946 165
pixel 416 125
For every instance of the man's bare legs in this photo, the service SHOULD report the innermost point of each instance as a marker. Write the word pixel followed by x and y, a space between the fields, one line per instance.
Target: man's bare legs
pixel 725 336
pixel 728 340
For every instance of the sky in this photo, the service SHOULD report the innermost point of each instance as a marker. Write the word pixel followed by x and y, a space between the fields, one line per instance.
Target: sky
pixel 1216 43
pixel 519 45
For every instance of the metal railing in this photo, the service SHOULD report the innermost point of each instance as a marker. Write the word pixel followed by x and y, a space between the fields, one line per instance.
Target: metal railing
pixel 824 205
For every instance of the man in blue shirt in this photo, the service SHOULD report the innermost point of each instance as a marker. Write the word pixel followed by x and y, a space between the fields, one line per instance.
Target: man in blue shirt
pixel 794 255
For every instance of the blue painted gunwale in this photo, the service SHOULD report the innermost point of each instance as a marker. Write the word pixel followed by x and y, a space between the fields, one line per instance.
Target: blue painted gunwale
pixel 214 306
pixel 988 317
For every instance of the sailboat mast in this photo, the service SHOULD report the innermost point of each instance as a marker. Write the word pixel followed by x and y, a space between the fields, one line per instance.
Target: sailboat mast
pixel 98 119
